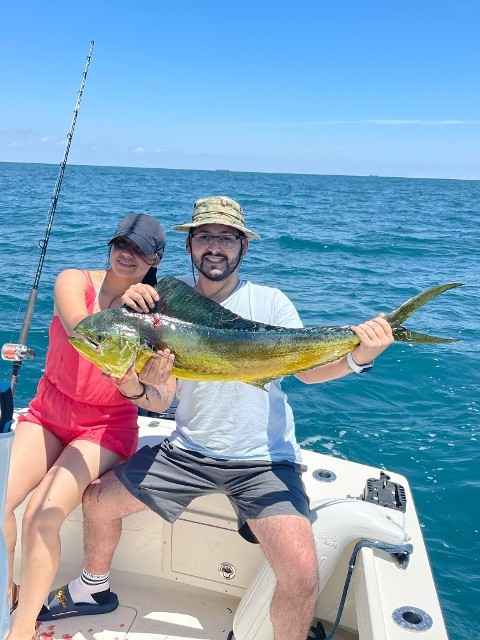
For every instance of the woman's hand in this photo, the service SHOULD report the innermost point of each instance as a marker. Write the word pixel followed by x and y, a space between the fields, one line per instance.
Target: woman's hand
pixel 140 297
pixel 129 385
pixel 158 369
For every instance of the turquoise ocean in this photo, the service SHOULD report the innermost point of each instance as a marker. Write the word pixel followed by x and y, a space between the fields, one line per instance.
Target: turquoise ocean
pixel 343 249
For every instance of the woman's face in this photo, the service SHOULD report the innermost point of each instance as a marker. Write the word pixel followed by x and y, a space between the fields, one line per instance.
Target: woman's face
pixel 128 260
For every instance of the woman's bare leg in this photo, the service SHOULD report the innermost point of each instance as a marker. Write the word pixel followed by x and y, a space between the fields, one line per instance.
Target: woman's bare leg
pixel 56 497
pixel 34 450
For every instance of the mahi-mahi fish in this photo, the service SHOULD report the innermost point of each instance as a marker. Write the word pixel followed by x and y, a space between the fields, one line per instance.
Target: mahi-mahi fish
pixel 211 343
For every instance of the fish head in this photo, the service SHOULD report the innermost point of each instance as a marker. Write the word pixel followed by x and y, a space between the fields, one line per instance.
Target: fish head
pixel 107 342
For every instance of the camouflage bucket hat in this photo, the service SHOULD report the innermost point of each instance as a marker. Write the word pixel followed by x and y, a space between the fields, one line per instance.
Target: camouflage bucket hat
pixel 218 210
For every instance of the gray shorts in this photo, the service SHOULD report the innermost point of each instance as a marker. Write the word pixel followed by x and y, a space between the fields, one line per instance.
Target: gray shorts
pixel 167 479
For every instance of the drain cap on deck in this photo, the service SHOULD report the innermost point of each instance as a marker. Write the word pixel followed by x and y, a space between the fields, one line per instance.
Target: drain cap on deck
pixel 227 570
pixel 324 475
pixel 412 619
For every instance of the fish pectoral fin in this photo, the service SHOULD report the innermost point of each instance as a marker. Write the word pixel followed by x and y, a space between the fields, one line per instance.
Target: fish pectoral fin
pixel 401 334
pixel 143 356
pixel 117 371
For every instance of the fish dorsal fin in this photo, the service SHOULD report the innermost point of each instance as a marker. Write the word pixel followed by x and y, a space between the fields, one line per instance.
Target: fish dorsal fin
pixel 181 301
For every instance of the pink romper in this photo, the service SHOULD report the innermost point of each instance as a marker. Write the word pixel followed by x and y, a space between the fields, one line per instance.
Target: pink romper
pixel 74 401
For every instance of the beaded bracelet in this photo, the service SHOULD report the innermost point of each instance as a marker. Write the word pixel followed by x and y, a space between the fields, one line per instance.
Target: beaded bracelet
pixel 138 396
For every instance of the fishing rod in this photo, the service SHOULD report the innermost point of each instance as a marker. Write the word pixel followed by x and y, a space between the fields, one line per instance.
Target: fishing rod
pixel 18 352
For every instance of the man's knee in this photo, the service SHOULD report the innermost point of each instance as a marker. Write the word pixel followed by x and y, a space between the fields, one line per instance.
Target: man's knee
pixel 302 579
pixel 107 499
pixel 298 571
pixel 97 494
pixel 309 581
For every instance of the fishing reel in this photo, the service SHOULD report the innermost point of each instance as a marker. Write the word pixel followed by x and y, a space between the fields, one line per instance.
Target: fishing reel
pixel 17 352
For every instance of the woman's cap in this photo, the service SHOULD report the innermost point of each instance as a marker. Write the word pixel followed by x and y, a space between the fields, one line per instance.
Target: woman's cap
pixel 218 210
pixel 147 233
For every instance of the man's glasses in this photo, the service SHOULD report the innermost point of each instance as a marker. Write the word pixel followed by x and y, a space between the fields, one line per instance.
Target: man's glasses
pixel 226 241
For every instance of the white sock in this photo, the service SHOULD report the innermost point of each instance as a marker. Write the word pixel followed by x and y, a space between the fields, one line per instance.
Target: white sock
pixel 88 588
pixel 87 585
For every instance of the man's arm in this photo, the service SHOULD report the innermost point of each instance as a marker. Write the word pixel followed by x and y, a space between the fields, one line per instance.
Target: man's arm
pixel 375 336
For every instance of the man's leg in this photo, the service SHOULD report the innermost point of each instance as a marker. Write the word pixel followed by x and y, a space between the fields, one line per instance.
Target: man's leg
pixel 289 547
pixel 105 503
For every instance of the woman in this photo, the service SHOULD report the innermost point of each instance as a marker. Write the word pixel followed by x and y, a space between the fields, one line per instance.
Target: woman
pixel 79 425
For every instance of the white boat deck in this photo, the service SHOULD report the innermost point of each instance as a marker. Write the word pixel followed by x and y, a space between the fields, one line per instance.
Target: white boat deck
pixel 171 587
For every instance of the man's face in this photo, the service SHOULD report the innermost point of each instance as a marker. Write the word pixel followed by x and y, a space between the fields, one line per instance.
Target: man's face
pixel 216 250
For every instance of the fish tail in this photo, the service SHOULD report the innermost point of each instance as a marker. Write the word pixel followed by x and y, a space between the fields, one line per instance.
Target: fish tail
pixel 401 334
pixel 396 317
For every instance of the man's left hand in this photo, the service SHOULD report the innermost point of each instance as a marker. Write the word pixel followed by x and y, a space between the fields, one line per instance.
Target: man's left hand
pixel 375 336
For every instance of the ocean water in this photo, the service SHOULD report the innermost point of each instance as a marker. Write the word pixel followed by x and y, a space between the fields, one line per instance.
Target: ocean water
pixel 343 249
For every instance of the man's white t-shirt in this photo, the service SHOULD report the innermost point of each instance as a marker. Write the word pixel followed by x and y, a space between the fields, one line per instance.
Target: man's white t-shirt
pixel 234 420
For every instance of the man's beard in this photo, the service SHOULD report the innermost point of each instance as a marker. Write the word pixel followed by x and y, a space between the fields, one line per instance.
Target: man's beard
pixel 216 275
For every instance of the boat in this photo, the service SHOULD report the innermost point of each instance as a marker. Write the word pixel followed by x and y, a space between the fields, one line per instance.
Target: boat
pixel 199 579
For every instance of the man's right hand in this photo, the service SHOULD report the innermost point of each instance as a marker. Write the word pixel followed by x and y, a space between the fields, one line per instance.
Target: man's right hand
pixel 140 297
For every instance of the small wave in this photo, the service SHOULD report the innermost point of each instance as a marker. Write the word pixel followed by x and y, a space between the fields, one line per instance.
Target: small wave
pixel 292 242
pixel 378 246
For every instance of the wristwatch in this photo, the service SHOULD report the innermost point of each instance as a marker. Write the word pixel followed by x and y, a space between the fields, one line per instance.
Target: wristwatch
pixel 356 368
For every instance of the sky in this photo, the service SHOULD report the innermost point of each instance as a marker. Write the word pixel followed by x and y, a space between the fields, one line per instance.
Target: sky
pixel 343 87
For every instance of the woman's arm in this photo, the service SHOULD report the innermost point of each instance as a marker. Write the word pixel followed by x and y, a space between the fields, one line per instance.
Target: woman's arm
pixel 69 295
pixel 154 388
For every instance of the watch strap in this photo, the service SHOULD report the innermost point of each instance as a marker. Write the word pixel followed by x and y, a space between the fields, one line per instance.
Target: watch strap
pixel 356 368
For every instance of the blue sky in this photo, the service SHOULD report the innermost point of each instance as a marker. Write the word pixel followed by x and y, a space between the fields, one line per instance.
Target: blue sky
pixel 340 87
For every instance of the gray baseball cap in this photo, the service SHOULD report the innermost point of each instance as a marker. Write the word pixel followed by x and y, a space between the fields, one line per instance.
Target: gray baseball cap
pixel 147 233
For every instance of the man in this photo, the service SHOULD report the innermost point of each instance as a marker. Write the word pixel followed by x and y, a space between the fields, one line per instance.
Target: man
pixel 241 438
